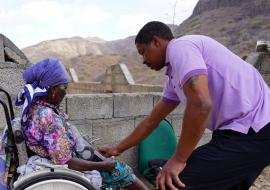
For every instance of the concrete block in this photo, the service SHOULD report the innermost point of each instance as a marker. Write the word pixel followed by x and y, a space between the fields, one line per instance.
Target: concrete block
pixel 266 78
pixel 73 75
pixel 63 105
pixel 111 131
pixel 265 63
pixel 11 80
pixel 85 129
pixel 126 105
pixel 14 57
pixel 138 120
pixel 9 44
pixel 127 74
pixel 17 110
pixel 130 157
pixel 89 106
pixel 207 136
pixel 116 69
pixel 118 79
pixel 2 55
pixel 176 122
pixel 1 131
pixel 2 118
pixel 178 110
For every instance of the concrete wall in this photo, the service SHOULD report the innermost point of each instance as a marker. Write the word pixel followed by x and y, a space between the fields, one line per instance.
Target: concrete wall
pixel 111 117
pixel 117 79
pixel 12 64
pixel 98 87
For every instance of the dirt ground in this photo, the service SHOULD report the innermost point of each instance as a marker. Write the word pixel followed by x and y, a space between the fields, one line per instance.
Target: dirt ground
pixel 263 181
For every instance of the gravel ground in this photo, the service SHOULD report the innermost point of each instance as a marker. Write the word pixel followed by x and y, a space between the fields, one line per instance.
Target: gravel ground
pixel 263 181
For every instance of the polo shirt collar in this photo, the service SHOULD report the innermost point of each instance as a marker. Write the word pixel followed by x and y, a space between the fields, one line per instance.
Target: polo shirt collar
pixel 167 61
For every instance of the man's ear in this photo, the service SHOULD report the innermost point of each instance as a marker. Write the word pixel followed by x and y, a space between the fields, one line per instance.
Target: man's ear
pixel 157 41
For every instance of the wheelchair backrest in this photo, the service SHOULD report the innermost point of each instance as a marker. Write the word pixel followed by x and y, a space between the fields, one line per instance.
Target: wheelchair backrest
pixel 9 153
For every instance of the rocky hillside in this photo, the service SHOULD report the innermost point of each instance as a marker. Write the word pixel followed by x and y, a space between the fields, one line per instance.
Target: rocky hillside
pixel 91 56
pixel 238 24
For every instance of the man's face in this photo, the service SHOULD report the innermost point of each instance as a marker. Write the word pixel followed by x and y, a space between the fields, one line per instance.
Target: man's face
pixel 153 54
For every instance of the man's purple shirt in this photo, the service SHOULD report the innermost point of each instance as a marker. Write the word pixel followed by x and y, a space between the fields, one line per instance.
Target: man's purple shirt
pixel 240 97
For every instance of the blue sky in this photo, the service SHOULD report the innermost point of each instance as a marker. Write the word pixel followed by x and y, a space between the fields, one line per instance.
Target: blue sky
pixel 27 22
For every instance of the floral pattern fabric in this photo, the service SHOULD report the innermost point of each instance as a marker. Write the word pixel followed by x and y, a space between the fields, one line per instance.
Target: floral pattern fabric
pixel 48 133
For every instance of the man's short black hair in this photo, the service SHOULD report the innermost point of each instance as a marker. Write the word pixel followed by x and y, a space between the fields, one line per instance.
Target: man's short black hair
pixel 151 29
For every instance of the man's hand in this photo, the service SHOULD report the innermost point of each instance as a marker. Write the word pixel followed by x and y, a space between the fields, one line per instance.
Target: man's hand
pixel 109 151
pixel 168 176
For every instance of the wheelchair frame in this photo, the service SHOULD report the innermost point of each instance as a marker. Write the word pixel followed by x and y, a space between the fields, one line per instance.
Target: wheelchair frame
pixel 12 150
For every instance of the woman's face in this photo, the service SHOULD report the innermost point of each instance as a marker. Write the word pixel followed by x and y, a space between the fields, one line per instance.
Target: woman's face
pixel 58 93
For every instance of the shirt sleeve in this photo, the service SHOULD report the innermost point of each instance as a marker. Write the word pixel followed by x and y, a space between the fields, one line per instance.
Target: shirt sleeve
pixel 187 60
pixel 55 139
pixel 169 94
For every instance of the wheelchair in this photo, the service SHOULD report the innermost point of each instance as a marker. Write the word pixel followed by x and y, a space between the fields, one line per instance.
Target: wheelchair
pixel 51 178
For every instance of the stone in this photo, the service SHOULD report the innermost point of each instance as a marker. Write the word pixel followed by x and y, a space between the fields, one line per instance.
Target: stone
pixel 126 105
pixel 2 55
pixel 112 131
pixel 73 75
pixel 13 56
pixel 85 128
pixel 89 106
pixel 179 110
pixel 9 44
pixel 130 157
pixel 176 122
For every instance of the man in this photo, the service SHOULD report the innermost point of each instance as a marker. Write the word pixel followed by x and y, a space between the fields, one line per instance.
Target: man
pixel 223 93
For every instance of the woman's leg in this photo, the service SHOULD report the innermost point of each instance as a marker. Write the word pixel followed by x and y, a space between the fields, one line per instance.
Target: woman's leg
pixel 137 185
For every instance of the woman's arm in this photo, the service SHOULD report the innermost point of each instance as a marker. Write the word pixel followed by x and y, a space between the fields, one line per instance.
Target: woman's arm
pixel 84 165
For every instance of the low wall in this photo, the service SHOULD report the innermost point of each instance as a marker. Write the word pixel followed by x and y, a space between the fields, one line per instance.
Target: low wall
pixel 11 81
pixel 112 117
pixel 98 87
pixel 85 88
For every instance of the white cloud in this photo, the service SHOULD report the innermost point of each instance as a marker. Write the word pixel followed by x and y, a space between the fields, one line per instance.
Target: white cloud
pixel 27 22
pixel 48 19
pixel 130 24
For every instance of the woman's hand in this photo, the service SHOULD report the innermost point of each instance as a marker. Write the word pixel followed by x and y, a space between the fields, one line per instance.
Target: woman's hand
pixel 107 165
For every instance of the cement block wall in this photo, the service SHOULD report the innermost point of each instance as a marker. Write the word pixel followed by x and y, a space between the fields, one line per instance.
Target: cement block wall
pixel 98 87
pixel 112 117
pixel 117 79
pixel 11 81
pixel 12 64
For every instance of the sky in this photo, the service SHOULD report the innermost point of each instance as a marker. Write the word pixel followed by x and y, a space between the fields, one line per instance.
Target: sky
pixel 28 22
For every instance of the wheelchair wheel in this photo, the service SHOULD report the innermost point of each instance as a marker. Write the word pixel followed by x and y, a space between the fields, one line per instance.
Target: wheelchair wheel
pixel 54 179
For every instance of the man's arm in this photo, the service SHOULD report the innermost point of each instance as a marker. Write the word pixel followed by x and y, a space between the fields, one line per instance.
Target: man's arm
pixel 195 117
pixel 195 120
pixel 159 112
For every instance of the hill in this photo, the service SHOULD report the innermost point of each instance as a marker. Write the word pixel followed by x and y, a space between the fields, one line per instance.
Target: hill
pixel 238 24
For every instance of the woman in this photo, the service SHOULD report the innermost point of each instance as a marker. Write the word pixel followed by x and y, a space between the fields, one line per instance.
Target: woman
pixel 48 134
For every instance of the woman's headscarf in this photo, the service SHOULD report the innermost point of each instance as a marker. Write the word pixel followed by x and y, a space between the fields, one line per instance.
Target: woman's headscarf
pixel 39 77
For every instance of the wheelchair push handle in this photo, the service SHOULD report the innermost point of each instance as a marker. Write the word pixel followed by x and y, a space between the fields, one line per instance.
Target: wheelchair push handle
pixel 11 111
